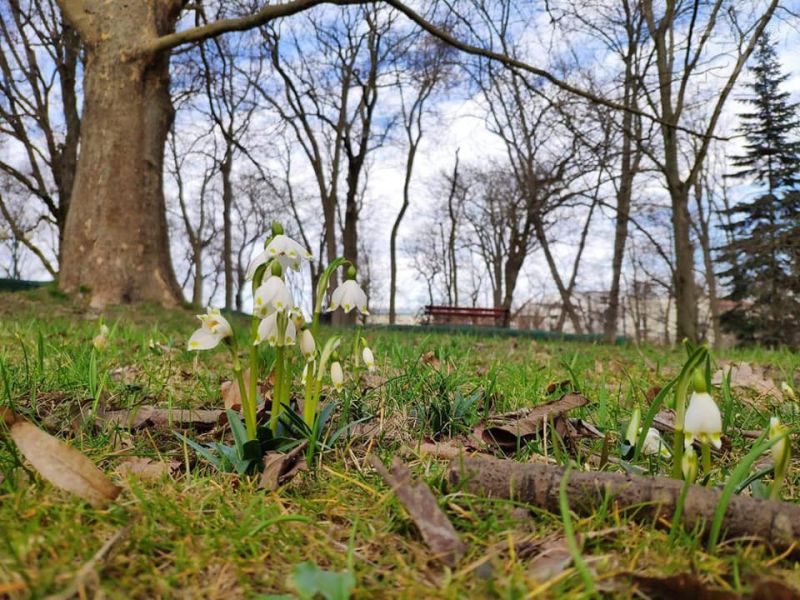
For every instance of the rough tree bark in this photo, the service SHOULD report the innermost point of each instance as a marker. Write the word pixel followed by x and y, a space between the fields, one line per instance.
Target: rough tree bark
pixel 115 237
pixel 778 523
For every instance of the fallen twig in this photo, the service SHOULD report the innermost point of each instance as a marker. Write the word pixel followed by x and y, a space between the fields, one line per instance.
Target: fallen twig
pixel 777 523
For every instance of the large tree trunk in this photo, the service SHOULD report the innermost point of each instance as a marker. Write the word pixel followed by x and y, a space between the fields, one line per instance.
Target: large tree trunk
pixel 115 238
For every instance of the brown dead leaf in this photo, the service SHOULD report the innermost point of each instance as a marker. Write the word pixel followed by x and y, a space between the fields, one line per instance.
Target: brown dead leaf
pixel 772 589
pixel 7 416
pixel 417 498
pixel 147 468
pixel 682 585
pixel 509 434
pixel 745 375
pixel 280 468
pixel 61 465
pixel 231 396
pixel 128 374
pixel 150 416
pixel 429 358
pixel 552 559
pixel 447 450
pixel 559 386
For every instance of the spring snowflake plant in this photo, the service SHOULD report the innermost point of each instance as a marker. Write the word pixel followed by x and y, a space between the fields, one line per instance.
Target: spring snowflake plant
pixel 279 322
pixel 698 419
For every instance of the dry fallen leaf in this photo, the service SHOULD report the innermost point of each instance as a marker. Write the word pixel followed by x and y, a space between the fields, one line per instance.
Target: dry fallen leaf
pixel 745 375
pixel 682 585
pixel 280 468
pixel 150 416
pixel 511 433
pixel 147 468
pixel 61 465
pixel 231 396
pixel 429 358
pixel 553 557
pixel 436 529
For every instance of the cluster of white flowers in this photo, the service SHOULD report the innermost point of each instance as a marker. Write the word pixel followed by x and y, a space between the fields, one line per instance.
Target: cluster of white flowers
pixel 280 317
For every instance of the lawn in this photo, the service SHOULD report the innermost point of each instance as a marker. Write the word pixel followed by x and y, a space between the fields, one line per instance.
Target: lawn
pixel 196 533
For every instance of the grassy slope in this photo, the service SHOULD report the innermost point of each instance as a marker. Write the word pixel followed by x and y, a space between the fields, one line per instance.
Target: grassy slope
pixel 205 535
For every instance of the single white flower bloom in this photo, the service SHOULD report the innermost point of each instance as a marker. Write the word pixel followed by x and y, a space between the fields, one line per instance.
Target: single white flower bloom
pixel 689 464
pixel 272 295
pixel 653 444
pixel 337 375
pixel 788 391
pixel 213 329
pixel 703 420
pixel 307 345
pixel 368 357
pixel 349 296
pixel 268 331
pixel 282 248
pixel 100 341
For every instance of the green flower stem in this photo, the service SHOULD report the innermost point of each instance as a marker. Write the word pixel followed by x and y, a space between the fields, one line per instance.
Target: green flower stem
pixel 277 394
pixel 248 410
pixel 706 448
pixel 250 407
pixel 309 405
pixel 677 452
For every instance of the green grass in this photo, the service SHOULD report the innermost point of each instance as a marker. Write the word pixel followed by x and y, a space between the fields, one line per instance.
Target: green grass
pixel 201 534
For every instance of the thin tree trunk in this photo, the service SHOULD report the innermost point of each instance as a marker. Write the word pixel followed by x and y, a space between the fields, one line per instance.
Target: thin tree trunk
pixel 562 290
pixel 412 152
pixel 227 226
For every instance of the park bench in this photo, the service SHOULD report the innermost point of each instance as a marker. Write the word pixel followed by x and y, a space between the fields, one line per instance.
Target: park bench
pixel 465 315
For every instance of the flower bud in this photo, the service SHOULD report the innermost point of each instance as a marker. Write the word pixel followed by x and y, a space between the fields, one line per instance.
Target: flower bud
pixel 689 464
pixel 337 375
pixel 307 345
pixel 100 341
pixel 632 433
pixel 788 391
pixel 369 358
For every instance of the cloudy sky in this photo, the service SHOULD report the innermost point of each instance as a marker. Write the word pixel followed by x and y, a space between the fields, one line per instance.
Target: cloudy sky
pixel 458 124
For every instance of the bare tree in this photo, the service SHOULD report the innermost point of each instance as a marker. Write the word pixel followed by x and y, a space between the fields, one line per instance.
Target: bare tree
pixel 423 65
pixel 685 37
pixel 39 120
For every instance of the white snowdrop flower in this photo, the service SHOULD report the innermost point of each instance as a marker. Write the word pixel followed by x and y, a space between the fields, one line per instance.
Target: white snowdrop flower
pixel 703 420
pixel 282 248
pixel 272 295
pixel 100 341
pixel 213 329
pixel 653 444
pixel 349 296
pixel 337 375
pixel 268 331
pixel 307 345
pixel 368 357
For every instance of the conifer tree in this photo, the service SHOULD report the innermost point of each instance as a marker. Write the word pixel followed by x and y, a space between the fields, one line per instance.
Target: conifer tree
pixel 763 259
